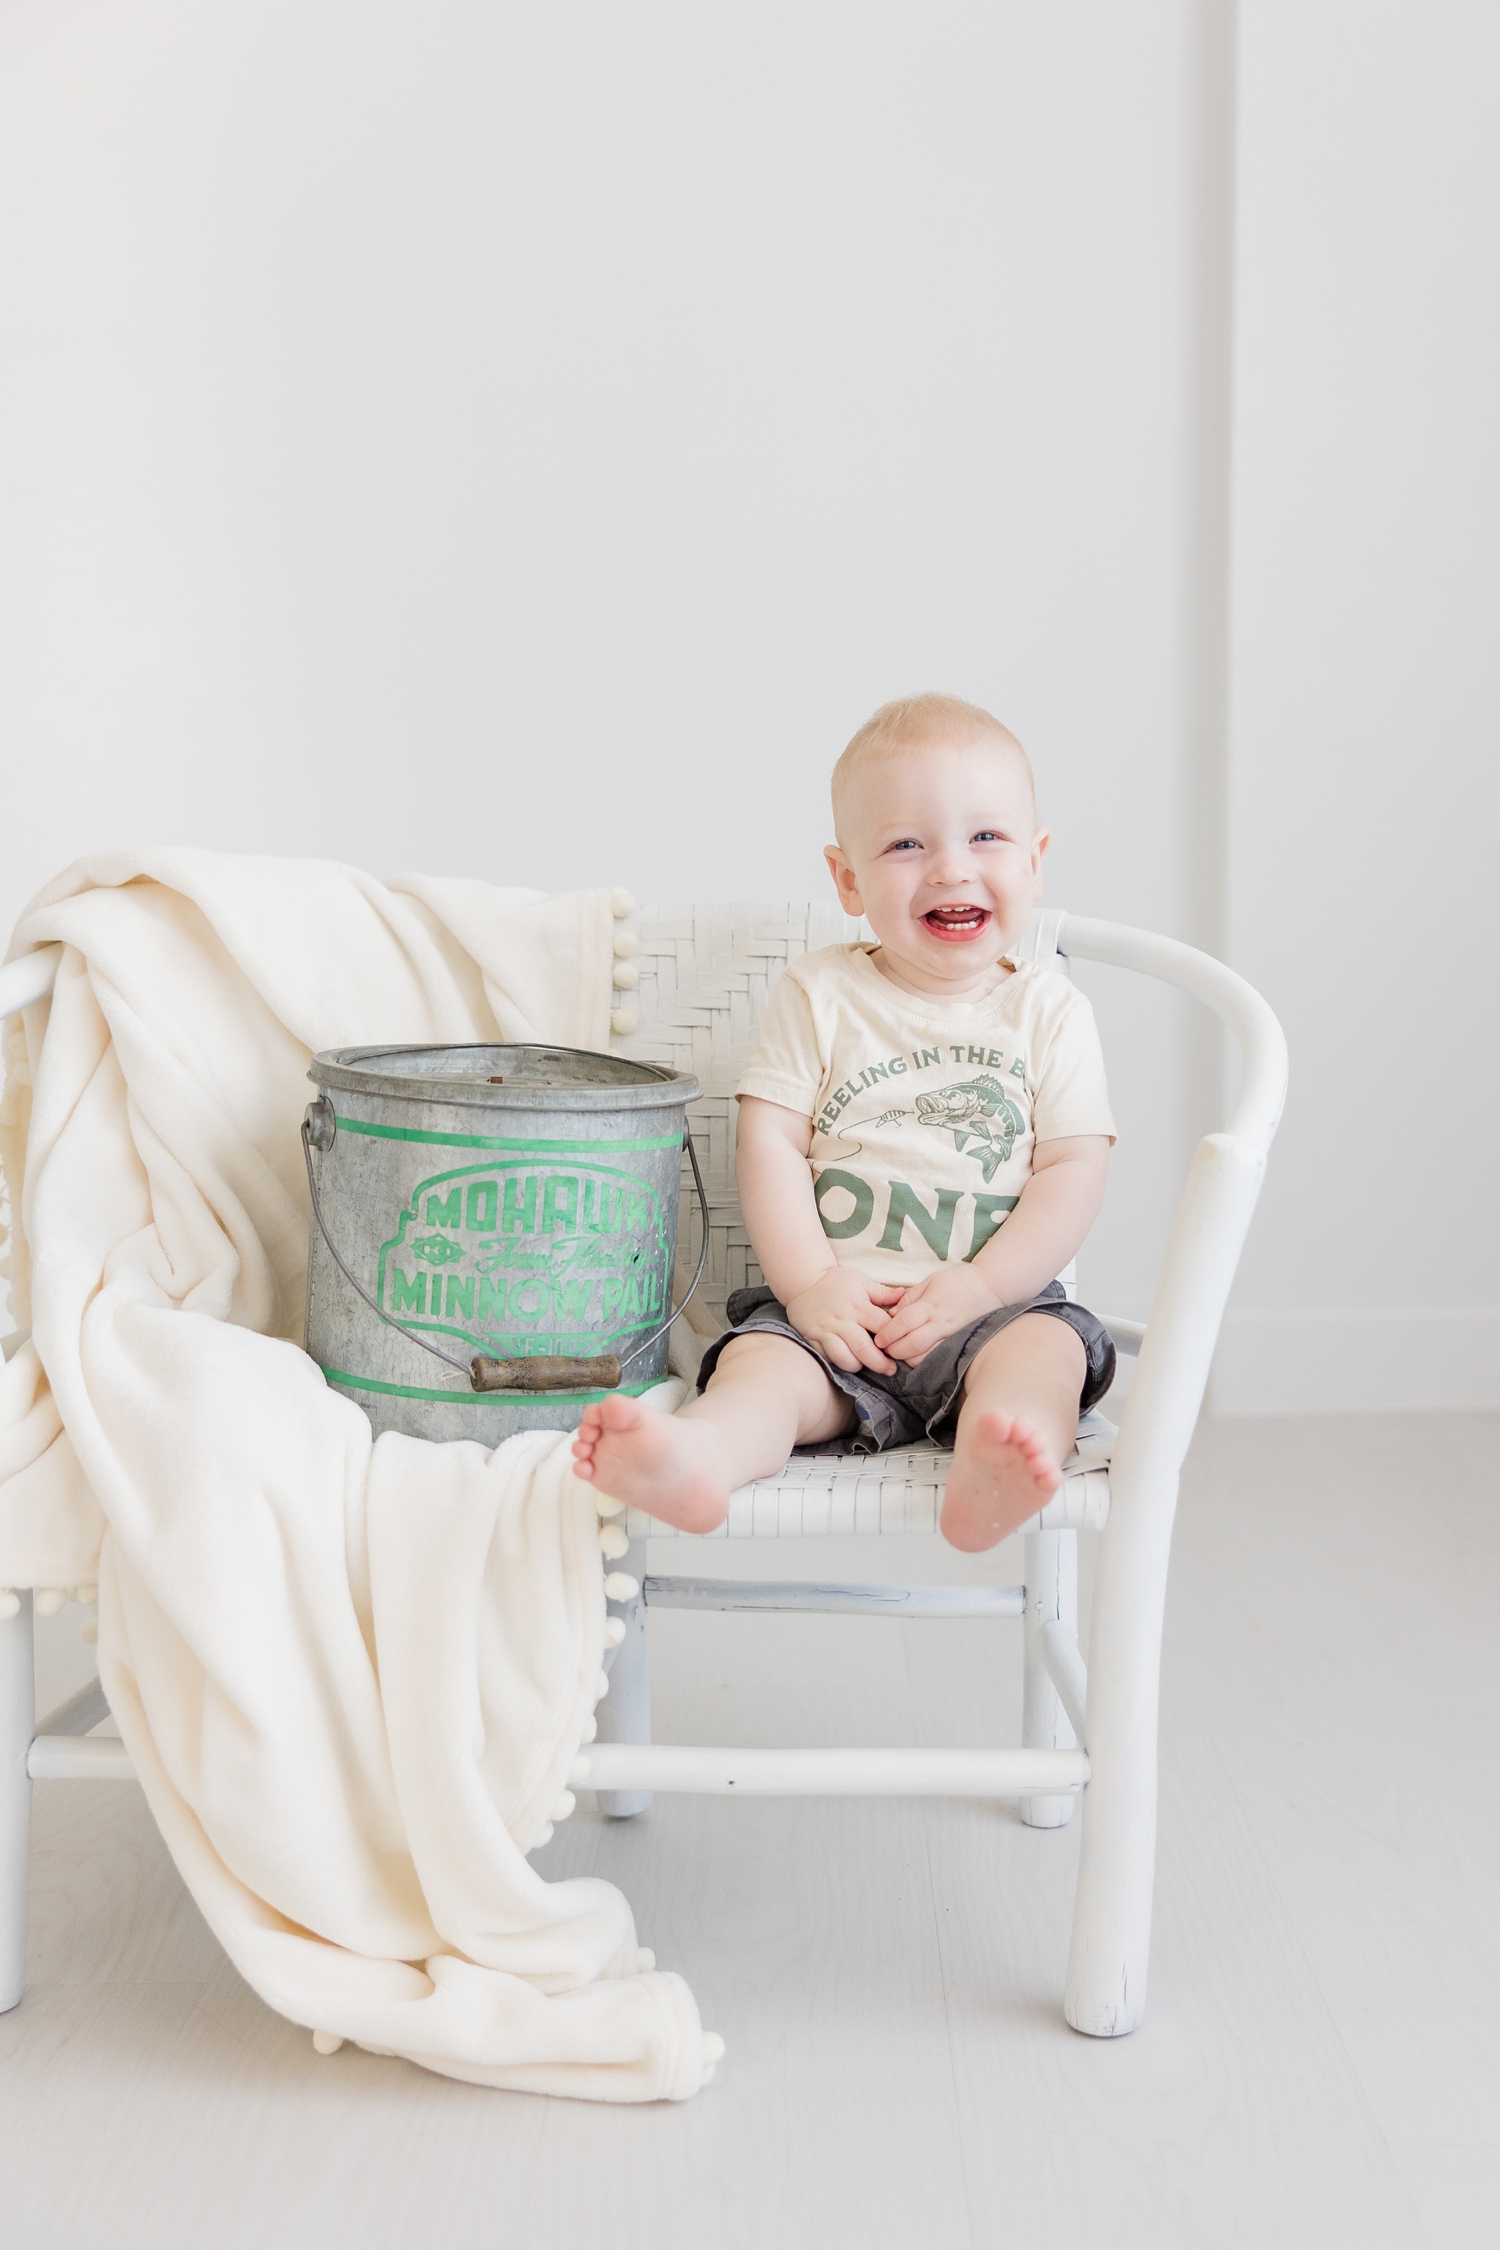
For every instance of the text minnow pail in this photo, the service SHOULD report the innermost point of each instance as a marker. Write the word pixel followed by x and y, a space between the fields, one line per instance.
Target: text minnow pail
pixel 494 1232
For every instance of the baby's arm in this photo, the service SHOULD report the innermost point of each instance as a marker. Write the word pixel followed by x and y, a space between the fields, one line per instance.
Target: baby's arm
pixel 832 1307
pixel 1057 1206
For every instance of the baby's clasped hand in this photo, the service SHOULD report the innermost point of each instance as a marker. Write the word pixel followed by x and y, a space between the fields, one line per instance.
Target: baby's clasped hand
pixel 837 1312
pixel 947 1300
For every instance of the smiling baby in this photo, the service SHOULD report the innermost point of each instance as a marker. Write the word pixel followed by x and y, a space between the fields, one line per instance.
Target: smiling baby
pixel 924 1133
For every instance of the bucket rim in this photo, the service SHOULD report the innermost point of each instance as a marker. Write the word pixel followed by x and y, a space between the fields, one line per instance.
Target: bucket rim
pixel 648 1085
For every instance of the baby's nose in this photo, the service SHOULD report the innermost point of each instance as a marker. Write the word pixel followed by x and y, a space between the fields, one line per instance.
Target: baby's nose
pixel 950 865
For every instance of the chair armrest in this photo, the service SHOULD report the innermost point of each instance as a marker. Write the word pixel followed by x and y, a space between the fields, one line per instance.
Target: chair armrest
pixel 29 979
pixel 1257 1111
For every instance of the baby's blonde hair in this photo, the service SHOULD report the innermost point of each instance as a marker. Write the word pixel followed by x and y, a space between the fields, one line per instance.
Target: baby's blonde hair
pixel 918 722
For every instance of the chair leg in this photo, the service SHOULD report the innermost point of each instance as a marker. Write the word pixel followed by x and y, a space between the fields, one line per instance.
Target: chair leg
pixel 1109 1954
pixel 625 1713
pixel 1051 1593
pixel 17 1726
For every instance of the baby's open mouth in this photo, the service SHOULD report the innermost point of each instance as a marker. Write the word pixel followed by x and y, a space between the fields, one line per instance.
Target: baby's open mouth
pixel 957 923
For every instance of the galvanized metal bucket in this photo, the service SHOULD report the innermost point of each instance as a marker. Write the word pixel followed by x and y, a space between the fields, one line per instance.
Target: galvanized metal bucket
pixel 494 1232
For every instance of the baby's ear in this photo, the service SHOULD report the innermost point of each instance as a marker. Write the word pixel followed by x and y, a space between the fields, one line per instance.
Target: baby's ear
pixel 845 881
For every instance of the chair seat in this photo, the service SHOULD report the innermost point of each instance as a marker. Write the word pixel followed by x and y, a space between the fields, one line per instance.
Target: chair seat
pixel 824 1495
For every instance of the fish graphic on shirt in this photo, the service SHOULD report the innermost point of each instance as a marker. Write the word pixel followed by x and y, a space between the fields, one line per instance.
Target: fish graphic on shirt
pixel 978 1112
pixel 980 1115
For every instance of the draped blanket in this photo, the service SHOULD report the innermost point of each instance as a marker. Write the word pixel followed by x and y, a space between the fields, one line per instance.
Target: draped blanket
pixel 352 1674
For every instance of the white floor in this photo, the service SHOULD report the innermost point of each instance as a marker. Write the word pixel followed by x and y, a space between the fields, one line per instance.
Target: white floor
pixel 1320 2062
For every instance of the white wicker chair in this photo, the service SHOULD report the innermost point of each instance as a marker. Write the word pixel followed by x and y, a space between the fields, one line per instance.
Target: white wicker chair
pixel 704 975
pixel 702 978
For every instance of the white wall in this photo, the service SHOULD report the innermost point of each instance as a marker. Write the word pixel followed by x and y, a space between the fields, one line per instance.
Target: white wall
pixel 1364 731
pixel 526 441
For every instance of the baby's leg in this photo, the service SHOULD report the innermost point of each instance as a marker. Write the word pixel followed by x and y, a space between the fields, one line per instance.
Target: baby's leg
pixel 1018 1425
pixel 765 1396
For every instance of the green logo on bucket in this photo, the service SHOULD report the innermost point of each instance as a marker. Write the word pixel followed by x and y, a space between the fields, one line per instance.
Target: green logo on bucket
pixel 528 1255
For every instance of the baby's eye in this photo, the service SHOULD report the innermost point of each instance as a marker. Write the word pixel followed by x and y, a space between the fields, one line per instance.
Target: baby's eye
pixel 987 836
pixel 905 844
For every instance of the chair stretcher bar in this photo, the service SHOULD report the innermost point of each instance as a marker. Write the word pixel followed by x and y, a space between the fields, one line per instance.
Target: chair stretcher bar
pixel 704 1771
pixel 712 1772
pixel 62 1748
pixel 67 1757
pixel 80 1714
pixel 1066 1671
pixel 678 1592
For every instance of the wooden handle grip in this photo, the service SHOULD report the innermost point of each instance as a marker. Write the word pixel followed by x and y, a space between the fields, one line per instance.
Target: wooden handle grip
pixel 540 1373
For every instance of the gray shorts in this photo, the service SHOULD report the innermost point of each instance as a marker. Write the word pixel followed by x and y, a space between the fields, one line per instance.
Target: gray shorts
pixel 920 1401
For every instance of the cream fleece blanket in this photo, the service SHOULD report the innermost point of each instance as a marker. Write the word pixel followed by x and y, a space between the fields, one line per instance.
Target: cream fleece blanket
pixel 352 1675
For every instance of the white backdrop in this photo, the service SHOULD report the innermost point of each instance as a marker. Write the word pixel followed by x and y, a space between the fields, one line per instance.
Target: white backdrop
pixel 527 441
pixel 1364 733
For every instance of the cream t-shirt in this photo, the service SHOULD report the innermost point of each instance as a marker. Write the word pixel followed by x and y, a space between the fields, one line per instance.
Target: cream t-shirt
pixel 925 1112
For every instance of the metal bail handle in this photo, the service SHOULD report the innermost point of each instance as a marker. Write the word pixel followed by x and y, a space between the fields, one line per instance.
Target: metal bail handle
pixel 539 1371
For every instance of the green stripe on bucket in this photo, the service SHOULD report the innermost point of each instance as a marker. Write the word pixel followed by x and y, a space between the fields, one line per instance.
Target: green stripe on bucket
pixel 477 1398
pixel 485 1140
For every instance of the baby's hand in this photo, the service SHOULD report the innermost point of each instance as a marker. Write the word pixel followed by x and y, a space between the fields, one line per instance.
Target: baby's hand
pixel 837 1314
pixel 933 1309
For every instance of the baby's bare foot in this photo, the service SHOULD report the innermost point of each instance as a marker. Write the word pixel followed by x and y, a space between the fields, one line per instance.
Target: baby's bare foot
pixel 658 1462
pixel 1001 1474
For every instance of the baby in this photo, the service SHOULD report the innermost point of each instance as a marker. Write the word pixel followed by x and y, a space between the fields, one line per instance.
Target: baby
pixel 924 1133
